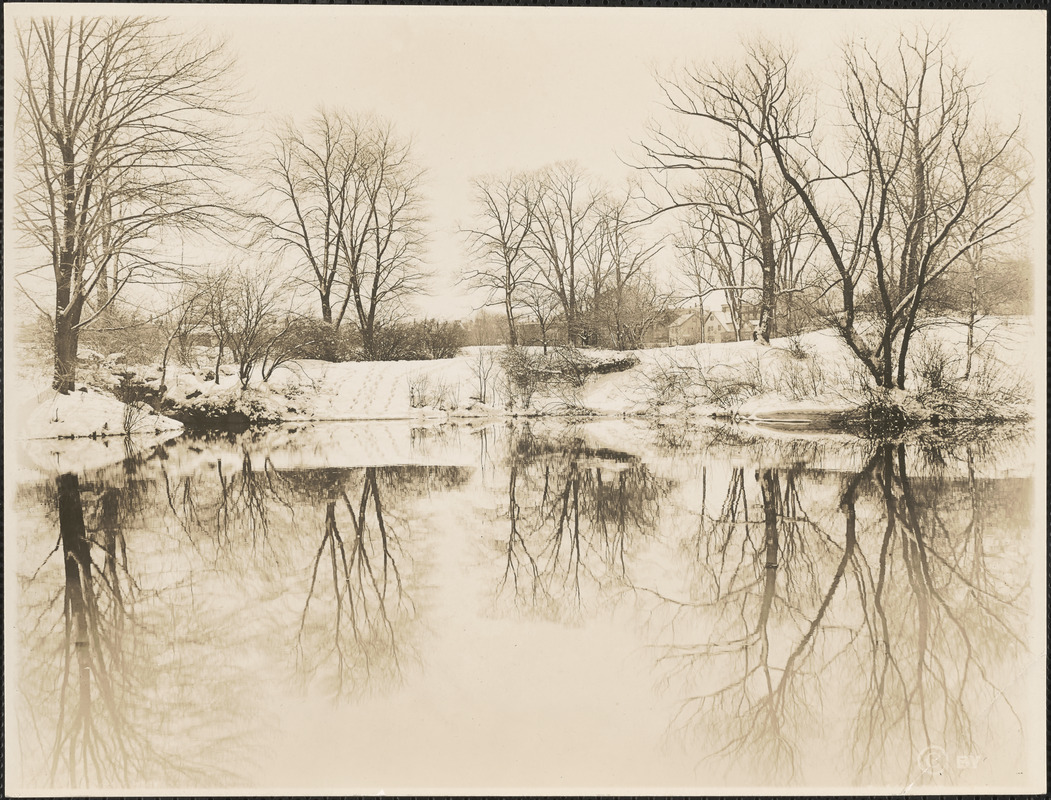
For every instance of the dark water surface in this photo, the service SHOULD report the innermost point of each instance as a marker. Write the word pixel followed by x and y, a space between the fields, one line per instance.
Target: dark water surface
pixel 355 607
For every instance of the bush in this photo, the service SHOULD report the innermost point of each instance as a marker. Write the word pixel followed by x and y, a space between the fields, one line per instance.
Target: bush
pixel 141 341
pixel 801 377
pixel 700 384
pixel 797 349
pixel 524 373
pixel 420 340
pixel 312 338
pixel 438 338
pixel 561 371
pixel 934 366
pixel 425 393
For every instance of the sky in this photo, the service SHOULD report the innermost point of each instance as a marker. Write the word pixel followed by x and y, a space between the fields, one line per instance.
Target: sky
pixel 489 89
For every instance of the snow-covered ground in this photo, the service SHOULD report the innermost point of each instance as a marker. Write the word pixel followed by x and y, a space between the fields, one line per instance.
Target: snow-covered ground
pixel 788 380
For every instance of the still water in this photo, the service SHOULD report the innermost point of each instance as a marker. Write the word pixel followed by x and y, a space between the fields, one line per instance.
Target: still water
pixel 529 607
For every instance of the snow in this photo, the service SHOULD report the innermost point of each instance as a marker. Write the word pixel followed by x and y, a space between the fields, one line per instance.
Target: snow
pixel 775 385
pixel 88 412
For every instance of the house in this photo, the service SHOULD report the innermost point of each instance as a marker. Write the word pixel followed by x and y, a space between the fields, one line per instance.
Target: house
pixel 656 335
pixel 719 326
pixel 685 328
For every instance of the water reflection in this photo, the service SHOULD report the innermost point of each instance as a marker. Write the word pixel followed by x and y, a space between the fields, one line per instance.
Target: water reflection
pixel 817 610
pixel 884 621
pixel 111 704
pixel 360 597
pixel 574 513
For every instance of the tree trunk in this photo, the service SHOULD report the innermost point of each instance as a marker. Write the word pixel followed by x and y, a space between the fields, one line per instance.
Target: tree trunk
pixel 76 553
pixel 66 340
pixel 771 542
pixel 326 306
pixel 368 344
pixel 767 304
pixel 972 316
pixel 66 317
pixel 512 332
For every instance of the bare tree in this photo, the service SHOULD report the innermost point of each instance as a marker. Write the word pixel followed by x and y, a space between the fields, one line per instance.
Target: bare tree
pixel 118 148
pixel 740 185
pixel 893 214
pixel 382 252
pixel 506 208
pixel 185 316
pixel 216 292
pixel 713 261
pixel 255 316
pixel 542 305
pixel 315 175
pixel 565 224
pixel 351 207
pixel 624 300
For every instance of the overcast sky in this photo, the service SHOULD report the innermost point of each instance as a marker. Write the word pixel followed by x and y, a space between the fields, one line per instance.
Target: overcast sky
pixel 490 89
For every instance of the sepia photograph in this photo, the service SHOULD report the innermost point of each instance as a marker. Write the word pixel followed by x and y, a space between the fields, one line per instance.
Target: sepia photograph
pixel 474 400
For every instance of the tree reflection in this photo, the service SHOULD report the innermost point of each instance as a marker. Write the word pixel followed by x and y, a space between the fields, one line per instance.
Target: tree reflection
pixel 903 620
pixel 106 704
pixel 355 573
pixel 573 514
pixel 330 537
pixel 235 509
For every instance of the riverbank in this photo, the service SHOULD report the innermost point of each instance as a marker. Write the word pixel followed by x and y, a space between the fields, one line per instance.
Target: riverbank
pixel 809 380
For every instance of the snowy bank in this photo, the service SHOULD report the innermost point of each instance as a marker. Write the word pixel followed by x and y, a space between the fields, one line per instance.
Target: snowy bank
pixel 807 379
pixel 88 412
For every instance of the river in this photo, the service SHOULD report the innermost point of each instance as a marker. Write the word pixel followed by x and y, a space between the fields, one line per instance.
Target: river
pixel 541 607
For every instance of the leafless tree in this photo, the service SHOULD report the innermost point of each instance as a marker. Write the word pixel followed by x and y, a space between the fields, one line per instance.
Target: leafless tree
pixel 217 289
pixel 254 316
pixel 119 147
pixel 382 256
pixel 185 316
pixel 351 206
pixel 892 213
pixel 623 299
pixel 740 182
pixel 315 174
pixel 506 208
pixel 985 275
pixel 712 262
pixel 565 224
pixel 542 305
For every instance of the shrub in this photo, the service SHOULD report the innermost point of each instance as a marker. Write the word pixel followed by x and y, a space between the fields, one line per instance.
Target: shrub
pixel 670 384
pixel 721 385
pixel 312 338
pixel 934 366
pixel 421 340
pixel 427 393
pixel 438 338
pixel 484 368
pixel 797 349
pixel 801 378
pixel 524 374
pixel 141 341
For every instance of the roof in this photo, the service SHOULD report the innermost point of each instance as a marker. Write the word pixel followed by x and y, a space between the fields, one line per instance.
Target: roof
pixel 682 319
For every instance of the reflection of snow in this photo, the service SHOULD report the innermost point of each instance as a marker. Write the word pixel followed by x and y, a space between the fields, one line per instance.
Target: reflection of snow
pixel 53 456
